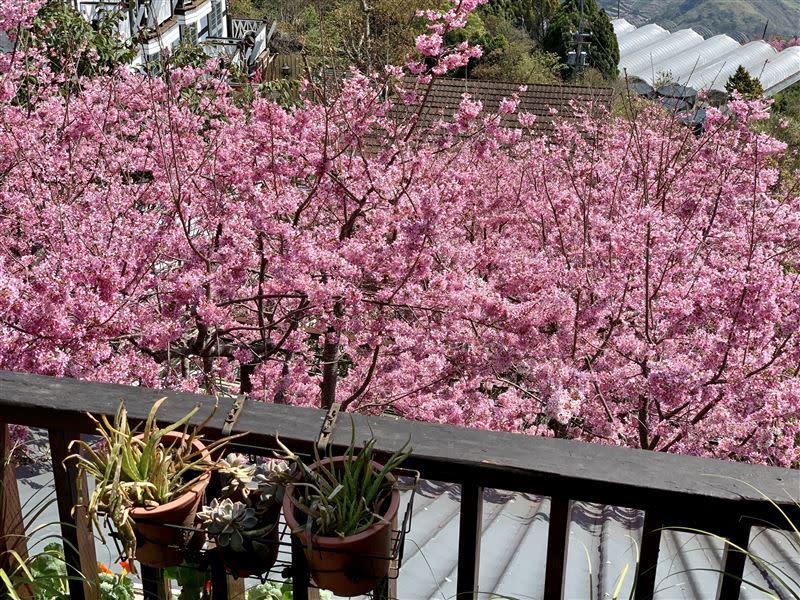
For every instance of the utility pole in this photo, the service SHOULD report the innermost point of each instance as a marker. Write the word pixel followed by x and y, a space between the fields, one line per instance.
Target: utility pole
pixel 581 55
pixel 578 58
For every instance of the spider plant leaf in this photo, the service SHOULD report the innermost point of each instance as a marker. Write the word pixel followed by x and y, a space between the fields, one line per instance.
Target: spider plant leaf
pixel 767 566
pixel 11 591
pixel 620 582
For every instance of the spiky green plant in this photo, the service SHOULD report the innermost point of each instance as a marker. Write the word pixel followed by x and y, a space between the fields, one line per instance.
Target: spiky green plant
pixel 343 499
pixel 42 575
pixel 138 469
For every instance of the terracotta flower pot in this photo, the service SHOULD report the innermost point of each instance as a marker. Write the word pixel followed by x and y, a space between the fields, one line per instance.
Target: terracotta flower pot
pixel 352 565
pixel 261 552
pixel 160 546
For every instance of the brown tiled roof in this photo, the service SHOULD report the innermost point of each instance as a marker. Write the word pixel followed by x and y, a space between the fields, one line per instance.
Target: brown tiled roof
pixel 445 96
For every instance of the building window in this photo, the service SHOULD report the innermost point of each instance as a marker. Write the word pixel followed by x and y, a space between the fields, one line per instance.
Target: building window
pixel 203 33
pixel 215 19
pixel 188 34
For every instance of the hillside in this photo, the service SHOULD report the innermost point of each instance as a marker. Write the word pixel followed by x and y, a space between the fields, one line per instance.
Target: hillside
pixel 743 17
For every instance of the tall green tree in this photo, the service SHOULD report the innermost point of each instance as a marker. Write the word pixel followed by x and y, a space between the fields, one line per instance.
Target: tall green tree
pixel 601 47
pixel 531 15
pixel 741 81
pixel 516 58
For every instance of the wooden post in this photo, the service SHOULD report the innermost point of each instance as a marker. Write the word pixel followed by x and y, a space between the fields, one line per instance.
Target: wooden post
pixel 648 555
pixel 557 537
pixel 12 523
pixel 734 562
pixel 224 586
pixel 76 529
pixel 235 587
pixel 301 590
pixel 155 586
pixel 470 529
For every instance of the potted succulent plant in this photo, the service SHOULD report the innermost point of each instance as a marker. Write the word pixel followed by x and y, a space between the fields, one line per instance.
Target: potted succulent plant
pixel 244 522
pixel 149 483
pixel 341 509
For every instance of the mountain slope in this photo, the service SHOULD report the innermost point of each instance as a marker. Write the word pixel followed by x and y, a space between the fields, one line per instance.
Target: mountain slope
pixel 745 17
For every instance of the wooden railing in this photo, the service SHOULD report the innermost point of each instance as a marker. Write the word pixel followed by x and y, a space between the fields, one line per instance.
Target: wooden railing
pixel 671 489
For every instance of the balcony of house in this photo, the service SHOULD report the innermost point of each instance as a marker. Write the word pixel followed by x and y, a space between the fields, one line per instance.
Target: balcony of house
pixel 200 20
pixel 484 513
pixel 95 10
pixel 152 24
pixel 246 44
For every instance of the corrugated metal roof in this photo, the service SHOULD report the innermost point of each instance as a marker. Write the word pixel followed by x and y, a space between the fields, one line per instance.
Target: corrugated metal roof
pixel 642 61
pixel 602 539
pixel 640 38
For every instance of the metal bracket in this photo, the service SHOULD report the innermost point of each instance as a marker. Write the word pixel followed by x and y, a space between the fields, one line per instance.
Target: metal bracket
pixel 233 415
pixel 326 430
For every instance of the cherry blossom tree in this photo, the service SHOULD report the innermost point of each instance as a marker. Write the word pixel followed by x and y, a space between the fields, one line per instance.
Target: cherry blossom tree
pixel 621 281
pixel 781 43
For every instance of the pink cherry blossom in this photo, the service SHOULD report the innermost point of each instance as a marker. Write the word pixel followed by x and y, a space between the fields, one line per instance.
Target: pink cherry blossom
pixel 616 282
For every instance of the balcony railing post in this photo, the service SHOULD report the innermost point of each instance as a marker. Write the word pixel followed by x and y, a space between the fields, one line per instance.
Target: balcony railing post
pixel 470 529
pixel 301 590
pixel 76 529
pixel 387 589
pixel 734 562
pixel 648 555
pixel 12 523
pixel 557 536
pixel 224 586
pixel 219 582
pixel 155 585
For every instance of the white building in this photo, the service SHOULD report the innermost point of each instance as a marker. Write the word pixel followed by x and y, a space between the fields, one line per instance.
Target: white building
pixel 159 25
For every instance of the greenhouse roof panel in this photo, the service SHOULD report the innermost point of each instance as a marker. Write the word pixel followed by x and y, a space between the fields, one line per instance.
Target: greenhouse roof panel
pixel 622 26
pixel 752 56
pixel 640 38
pixel 643 61
pixel 679 67
pixel 781 71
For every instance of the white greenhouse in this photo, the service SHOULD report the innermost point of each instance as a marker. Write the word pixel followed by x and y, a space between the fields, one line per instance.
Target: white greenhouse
pixel 752 56
pixel 680 66
pixel 781 71
pixel 640 38
pixel 622 26
pixel 643 62
pixel 650 53
pixel 684 65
